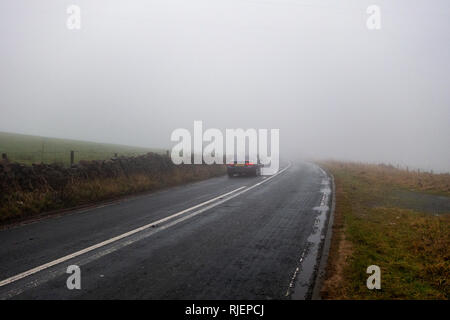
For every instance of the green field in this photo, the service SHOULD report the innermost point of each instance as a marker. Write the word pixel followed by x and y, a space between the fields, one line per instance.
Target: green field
pixel 28 149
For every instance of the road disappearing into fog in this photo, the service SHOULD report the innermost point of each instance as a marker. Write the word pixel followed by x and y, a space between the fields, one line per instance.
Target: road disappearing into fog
pixel 222 238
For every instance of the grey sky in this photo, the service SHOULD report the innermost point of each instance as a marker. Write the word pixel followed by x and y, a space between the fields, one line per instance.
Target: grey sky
pixel 137 70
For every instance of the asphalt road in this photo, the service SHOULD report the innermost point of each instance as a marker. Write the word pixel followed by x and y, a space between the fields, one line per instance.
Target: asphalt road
pixel 223 238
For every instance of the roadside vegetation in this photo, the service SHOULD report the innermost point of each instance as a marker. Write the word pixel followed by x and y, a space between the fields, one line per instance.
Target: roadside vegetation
pixel 396 219
pixel 28 149
pixel 30 191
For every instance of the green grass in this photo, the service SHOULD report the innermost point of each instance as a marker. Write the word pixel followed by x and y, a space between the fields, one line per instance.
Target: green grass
pixel 28 149
pixel 411 246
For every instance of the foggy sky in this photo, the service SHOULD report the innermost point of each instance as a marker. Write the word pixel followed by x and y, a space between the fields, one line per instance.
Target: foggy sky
pixel 137 70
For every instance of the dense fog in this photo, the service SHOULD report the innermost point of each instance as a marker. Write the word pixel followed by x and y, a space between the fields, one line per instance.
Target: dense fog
pixel 137 70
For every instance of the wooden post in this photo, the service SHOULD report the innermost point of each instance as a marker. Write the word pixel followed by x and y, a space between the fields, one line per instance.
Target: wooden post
pixel 167 152
pixel 72 157
pixel 115 155
pixel 4 156
pixel 42 152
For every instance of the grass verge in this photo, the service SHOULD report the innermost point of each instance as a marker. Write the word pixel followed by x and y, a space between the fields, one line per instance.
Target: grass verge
pixel 395 219
pixel 20 204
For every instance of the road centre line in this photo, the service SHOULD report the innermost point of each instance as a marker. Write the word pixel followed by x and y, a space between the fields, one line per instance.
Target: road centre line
pixel 234 193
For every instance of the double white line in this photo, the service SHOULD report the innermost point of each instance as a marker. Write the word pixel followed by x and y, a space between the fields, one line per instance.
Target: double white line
pixel 212 203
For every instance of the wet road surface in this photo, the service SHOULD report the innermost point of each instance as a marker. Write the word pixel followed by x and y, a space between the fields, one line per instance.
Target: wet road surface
pixel 223 238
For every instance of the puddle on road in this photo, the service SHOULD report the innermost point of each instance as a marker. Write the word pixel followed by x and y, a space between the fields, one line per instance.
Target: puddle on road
pixel 302 281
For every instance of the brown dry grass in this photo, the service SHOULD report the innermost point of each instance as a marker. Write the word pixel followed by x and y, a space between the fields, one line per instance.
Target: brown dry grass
pixel 340 252
pixel 412 180
pixel 24 204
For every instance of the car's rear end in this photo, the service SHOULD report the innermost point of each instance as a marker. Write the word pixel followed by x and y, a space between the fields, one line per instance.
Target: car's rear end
pixel 243 168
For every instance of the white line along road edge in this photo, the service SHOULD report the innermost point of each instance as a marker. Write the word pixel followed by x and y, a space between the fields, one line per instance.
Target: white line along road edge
pixel 234 193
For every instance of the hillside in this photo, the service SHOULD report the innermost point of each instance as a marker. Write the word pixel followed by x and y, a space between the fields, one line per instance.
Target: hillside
pixel 28 149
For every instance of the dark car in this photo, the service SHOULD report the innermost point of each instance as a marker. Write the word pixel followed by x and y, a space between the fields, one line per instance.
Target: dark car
pixel 244 168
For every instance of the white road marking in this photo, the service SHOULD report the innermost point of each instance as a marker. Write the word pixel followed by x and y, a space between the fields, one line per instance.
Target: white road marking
pixel 313 240
pixel 106 242
pixel 153 224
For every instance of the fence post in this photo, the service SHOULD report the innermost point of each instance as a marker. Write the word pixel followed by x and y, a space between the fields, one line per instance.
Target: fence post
pixel 115 155
pixel 72 157
pixel 167 152
pixel 4 156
